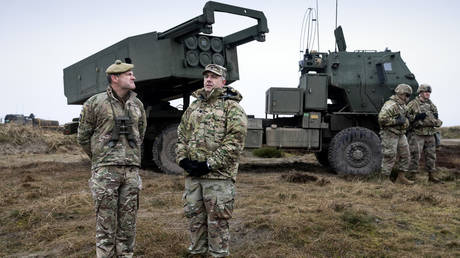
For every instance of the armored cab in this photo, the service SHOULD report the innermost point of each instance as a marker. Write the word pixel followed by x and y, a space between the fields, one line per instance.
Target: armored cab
pixel 168 66
pixel 333 111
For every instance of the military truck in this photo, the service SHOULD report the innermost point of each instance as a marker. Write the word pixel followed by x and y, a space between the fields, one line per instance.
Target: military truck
pixel 168 66
pixel 20 119
pixel 333 110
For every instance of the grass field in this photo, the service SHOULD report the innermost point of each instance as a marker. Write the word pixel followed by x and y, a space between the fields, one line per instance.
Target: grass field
pixel 291 210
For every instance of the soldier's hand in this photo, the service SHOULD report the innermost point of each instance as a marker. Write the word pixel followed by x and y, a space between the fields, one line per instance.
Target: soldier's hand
pixel 400 120
pixel 187 164
pixel 420 116
pixel 199 168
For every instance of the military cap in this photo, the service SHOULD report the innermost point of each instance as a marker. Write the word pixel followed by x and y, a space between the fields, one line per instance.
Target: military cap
pixel 119 67
pixel 216 69
pixel 424 87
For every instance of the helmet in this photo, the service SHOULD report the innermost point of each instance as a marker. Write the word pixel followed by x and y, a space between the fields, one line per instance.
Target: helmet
pixel 424 87
pixel 403 89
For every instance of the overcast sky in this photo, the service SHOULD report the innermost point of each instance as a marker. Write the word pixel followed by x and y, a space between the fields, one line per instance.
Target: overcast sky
pixel 40 38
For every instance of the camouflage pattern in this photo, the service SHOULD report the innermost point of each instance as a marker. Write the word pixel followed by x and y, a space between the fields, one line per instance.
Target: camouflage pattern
pixel 395 150
pixel 394 142
pixel 424 87
pixel 425 126
pixel 115 191
pixel 216 69
pixel 209 206
pixel 391 109
pixel 115 181
pixel 419 144
pixel 403 89
pixel 421 134
pixel 97 122
pixel 213 129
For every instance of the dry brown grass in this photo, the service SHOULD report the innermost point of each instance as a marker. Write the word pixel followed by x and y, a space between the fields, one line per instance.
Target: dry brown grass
pixel 28 139
pixel 47 210
pixel 450 132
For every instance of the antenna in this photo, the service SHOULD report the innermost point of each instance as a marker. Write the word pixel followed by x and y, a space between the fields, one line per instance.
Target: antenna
pixel 336 7
pixel 310 30
pixel 317 22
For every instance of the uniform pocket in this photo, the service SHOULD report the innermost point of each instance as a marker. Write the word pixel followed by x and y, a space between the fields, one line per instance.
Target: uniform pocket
pixel 223 208
pixel 193 201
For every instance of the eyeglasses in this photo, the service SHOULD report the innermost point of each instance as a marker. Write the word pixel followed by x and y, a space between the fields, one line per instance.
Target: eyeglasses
pixel 407 95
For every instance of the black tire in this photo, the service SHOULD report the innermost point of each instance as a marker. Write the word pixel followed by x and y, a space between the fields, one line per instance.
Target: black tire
pixel 355 151
pixel 163 151
pixel 323 157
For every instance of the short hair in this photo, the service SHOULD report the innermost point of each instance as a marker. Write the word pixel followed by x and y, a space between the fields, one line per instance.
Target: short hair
pixel 109 77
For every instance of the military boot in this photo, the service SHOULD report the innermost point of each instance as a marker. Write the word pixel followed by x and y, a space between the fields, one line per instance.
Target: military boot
pixel 433 179
pixel 401 179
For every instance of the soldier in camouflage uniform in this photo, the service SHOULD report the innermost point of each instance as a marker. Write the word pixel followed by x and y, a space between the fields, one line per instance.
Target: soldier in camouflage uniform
pixel 111 130
pixel 423 116
pixel 393 124
pixel 211 138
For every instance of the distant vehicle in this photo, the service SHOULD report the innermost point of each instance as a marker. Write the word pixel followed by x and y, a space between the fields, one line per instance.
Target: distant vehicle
pixel 18 119
pixel 31 120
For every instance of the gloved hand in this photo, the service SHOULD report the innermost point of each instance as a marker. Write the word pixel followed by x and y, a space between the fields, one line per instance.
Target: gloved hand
pixel 199 168
pixel 420 116
pixel 400 120
pixel 187 164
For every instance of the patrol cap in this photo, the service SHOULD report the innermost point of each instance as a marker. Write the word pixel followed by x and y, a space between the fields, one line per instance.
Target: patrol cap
pixel 216 69
pixel 119 67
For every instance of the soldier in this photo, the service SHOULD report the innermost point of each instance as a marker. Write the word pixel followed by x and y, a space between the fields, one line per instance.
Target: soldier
pixel 423 116
pixel 111 130
pixel 393 124
pixel 210 140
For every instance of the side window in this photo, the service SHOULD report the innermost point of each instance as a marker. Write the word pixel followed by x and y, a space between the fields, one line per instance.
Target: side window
pixel 387 67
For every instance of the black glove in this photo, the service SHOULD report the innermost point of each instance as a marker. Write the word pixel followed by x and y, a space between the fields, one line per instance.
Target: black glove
pixel 420 116
pixel 187 164
pixel 436 115
pixel 400 120
pixel 199 168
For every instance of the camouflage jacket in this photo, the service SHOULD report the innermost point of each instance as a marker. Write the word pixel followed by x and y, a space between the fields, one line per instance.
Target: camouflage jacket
pixel 96 125
pixel 393 108
pixel 425 126
pixel 213 129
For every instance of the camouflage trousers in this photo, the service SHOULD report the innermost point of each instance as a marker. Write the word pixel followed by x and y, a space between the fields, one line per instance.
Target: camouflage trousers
pixel 208 203
pixel 419 144
pixel 115 191
pixel 395 150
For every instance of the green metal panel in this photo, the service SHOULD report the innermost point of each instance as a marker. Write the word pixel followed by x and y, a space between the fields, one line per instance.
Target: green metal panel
pixel 292 138
pixel 284 101
pixel 255 133
pixel 311 120
pixel 168 64
pixel 315 86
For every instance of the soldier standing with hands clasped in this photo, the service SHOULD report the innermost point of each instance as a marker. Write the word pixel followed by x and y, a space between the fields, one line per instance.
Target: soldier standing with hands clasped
pixel 111 130
pixel 211 138
pixel 424 117
pixel 393 124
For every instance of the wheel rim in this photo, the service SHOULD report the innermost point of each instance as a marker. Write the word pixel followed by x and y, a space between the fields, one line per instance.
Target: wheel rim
pixel 358 154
